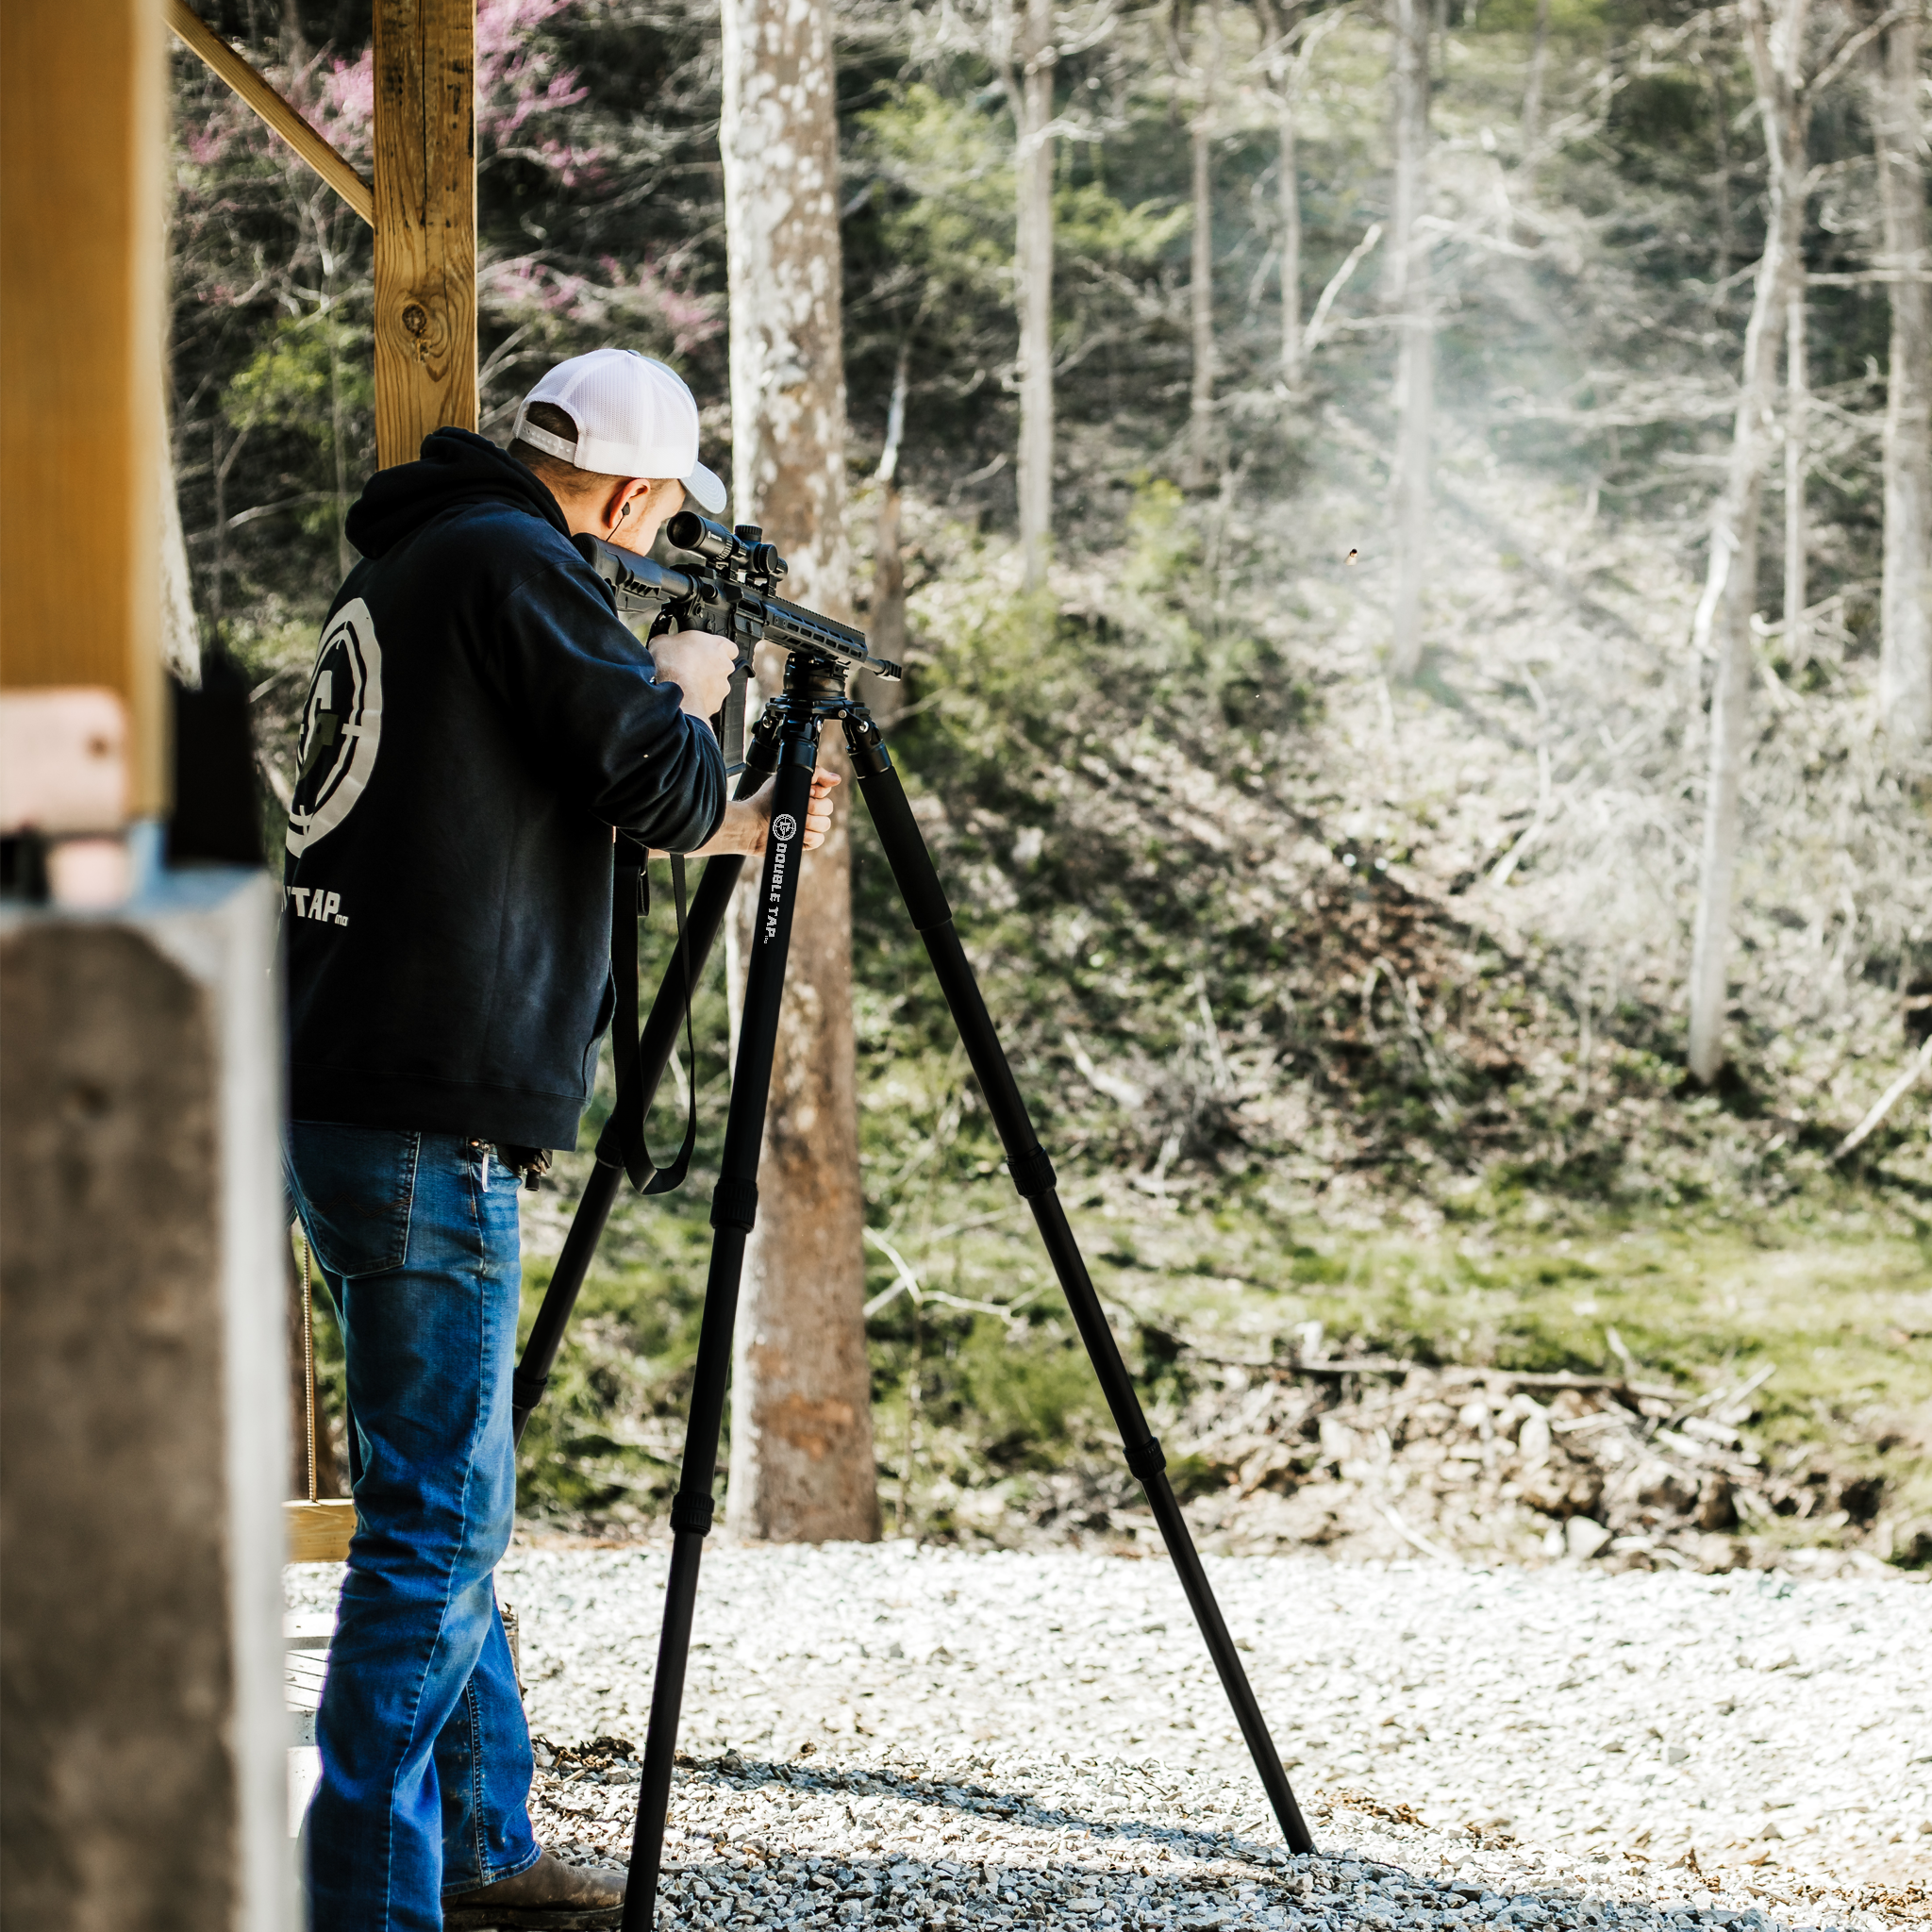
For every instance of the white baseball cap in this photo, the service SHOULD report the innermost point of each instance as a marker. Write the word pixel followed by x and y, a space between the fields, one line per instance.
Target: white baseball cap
pixel 635 417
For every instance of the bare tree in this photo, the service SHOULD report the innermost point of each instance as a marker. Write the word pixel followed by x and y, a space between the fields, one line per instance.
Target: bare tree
pixel 1797 435
pixel 801 1437
pixel 1720 132
pixel 1285 72
pixel 1028 58
pixel 1206 63
pixel 1533 91
pixel 180 633
pixel 1774 32
pixel 1408 299
pixel 1904 661
pixel 1289 37
pixel 885 696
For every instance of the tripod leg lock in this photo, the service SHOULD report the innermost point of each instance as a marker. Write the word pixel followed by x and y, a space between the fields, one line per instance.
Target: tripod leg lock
pixel 692 1514
pixel 526 1390
pixel 1145 1460
pixel 1032 1173
pixel 735 1203
pixel 866 748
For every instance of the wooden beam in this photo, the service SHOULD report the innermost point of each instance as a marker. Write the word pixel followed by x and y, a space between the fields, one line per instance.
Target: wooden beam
pixel 202 41
pixel 81 224
pixel 318 1532
pixel 426 222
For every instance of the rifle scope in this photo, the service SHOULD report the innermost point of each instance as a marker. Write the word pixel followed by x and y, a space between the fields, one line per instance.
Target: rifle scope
pixel 743 547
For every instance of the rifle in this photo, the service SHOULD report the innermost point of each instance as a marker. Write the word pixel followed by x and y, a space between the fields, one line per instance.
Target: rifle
pixel 734 599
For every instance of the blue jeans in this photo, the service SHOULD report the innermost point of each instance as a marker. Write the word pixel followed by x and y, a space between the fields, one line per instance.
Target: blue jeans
pixel 426 1756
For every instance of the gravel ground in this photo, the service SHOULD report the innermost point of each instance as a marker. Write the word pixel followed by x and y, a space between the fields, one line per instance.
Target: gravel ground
pixel 885 1735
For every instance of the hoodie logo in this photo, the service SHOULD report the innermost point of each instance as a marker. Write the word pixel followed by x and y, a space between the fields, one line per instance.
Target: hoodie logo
pixel 342 726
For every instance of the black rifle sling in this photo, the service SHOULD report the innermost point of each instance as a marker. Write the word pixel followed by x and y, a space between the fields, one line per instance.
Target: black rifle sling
pixel 630 902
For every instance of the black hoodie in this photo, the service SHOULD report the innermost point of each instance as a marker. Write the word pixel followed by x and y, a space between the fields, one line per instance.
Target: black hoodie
pixel 477 723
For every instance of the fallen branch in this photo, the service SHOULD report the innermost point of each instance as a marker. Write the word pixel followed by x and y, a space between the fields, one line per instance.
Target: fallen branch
pixel 1721 1399
pixel 1410 1536
pixel 907 1283
pixel 1124 1092
pixel 1336 282
pixel 1887 1101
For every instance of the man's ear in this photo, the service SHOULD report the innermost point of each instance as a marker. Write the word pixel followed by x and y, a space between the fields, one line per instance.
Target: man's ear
pixel 625 503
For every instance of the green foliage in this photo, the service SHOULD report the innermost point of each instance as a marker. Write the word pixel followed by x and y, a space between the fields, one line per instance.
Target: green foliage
pixel 1163 547
pixel 1028 1391
pixel 952 215
pixel 949 167
pixel 312 373
pixel 605 1439
pixel 1091 224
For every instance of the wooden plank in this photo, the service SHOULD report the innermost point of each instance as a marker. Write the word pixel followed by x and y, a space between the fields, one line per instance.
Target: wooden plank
pixel 308 1629
pixel 203 41
pixel 303 1677
pixel 81 226
pixel 320 1532
pixel 426 222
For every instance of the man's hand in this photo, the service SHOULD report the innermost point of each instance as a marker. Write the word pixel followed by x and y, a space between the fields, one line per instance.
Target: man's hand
pixel 748 821
pixel 699 665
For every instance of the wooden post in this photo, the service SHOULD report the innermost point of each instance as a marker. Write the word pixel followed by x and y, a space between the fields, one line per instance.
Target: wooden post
pixel 81 97
pixel 426 222
pixel 143 1738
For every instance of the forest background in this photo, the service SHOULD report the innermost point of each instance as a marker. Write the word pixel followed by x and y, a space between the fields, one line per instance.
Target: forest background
pixel 1336 892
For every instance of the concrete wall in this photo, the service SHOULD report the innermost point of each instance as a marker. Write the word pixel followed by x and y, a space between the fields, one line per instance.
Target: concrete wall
pixel 144 1425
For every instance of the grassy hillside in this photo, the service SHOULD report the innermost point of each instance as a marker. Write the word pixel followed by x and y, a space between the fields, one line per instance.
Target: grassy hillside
pixel 1296 1066
pixel 1340 1002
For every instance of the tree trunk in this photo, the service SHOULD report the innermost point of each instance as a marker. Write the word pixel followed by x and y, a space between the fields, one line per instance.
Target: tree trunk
pixel 1290 241
pixel 1905 659
pixel 886 696
pixel 180 633
pixel 1031 95
pixel 1533 92
pixel 339 443
pixel 1408 284
pixel 1797 432
pixel 801 1418
pixel 1727 227
pixel 1200 464
pixel 1723 625
pixel 1285 69
pixel 218 561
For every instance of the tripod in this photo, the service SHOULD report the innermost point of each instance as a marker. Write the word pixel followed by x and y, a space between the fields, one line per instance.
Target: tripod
pixel 786 741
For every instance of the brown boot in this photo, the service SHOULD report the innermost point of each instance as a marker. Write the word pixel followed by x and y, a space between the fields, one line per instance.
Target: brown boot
pixel 551 1894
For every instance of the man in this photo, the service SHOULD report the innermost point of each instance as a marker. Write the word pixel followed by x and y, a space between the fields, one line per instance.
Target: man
pixel 479 729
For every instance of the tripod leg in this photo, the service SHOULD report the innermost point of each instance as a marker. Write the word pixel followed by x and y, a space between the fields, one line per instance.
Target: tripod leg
pixel 734 1207
pixel 708 906
pixel 932 918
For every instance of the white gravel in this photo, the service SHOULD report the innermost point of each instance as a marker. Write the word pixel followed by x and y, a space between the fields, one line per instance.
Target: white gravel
pixel 929 1738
